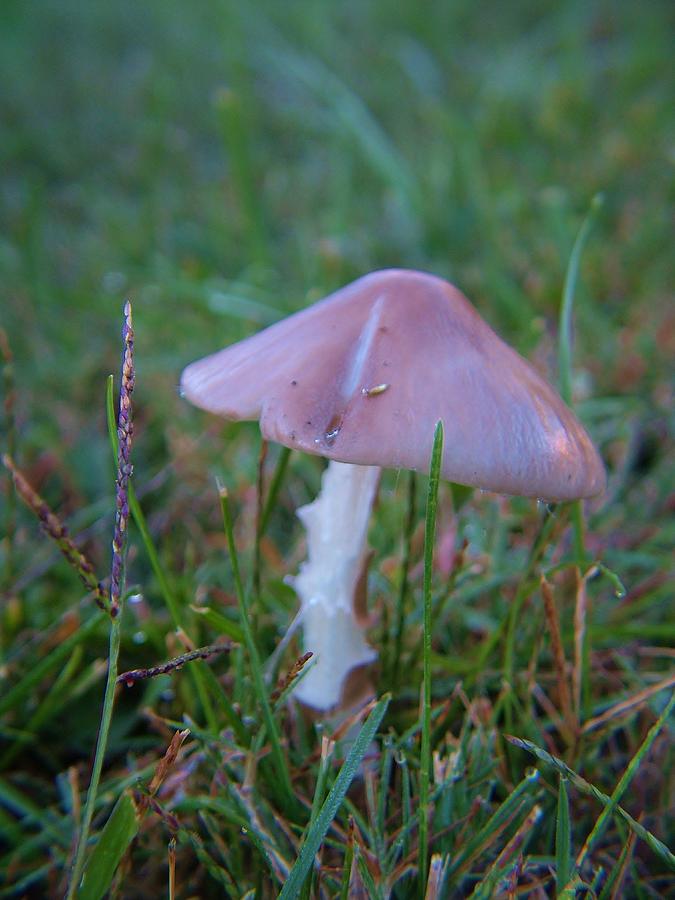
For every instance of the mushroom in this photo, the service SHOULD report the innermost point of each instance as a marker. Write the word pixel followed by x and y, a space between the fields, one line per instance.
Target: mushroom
pixel 361 378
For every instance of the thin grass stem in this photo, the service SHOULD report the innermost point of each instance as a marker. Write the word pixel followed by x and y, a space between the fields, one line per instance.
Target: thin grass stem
pixel 117 585
pixel 425 758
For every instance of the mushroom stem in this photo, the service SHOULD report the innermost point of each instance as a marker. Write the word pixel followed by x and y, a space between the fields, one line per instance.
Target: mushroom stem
pixel 337 529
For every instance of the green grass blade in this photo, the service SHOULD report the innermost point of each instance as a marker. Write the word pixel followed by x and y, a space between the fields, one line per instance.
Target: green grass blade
pixel 220 623
pixel 30 813
pixel 565 353
pixel 234 113
pixel 373 892
pixel 47 707
pixel 567 305
pixel 563 841
pixel 319 790
pixel 347 870
pixel 278 757
pixel 118 832
pixel 425 758
pixel 520 797
pixel 403 584
pixel 333 801
pixel 53 660
pixel 274 488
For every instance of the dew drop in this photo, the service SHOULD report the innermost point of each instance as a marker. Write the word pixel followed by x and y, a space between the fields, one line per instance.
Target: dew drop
pixel 329 436
pixel 332 431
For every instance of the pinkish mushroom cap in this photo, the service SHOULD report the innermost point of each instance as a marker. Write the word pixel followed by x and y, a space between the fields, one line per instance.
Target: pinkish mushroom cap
pixel 364 375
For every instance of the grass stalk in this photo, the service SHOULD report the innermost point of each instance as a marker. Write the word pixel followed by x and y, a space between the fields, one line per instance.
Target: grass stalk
pixel 58 532
pixel 425 757
pixel 170 600
pixel 117 586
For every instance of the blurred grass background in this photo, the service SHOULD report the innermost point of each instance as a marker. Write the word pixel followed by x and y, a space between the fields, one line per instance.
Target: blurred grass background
pixel 225 163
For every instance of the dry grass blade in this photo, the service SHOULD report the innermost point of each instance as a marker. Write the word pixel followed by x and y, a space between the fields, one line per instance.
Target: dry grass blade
pixel 616 882
pixel 499 869
pixel 571 721
pixel 580 616
pixel 438 868
pixel 172 868
pixel 57 531
pixel 287 680
pixel 165 765
pixel 627 705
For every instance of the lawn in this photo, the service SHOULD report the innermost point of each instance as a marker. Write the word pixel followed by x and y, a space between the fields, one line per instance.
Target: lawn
pixel 221 165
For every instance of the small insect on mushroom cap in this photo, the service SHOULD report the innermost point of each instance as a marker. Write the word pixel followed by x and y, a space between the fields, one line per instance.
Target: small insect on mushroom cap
pixel 364 375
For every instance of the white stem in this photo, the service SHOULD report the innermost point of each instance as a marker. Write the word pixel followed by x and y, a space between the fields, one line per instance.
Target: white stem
pixel 337 528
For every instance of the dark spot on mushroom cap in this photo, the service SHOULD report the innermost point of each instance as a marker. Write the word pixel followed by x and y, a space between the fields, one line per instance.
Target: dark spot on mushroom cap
pixel 293 383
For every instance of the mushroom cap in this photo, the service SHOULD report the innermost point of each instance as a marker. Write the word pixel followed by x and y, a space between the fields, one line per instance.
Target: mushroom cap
pixel 364 375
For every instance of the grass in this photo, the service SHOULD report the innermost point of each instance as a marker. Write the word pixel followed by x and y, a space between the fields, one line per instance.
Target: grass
pixel 223 165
